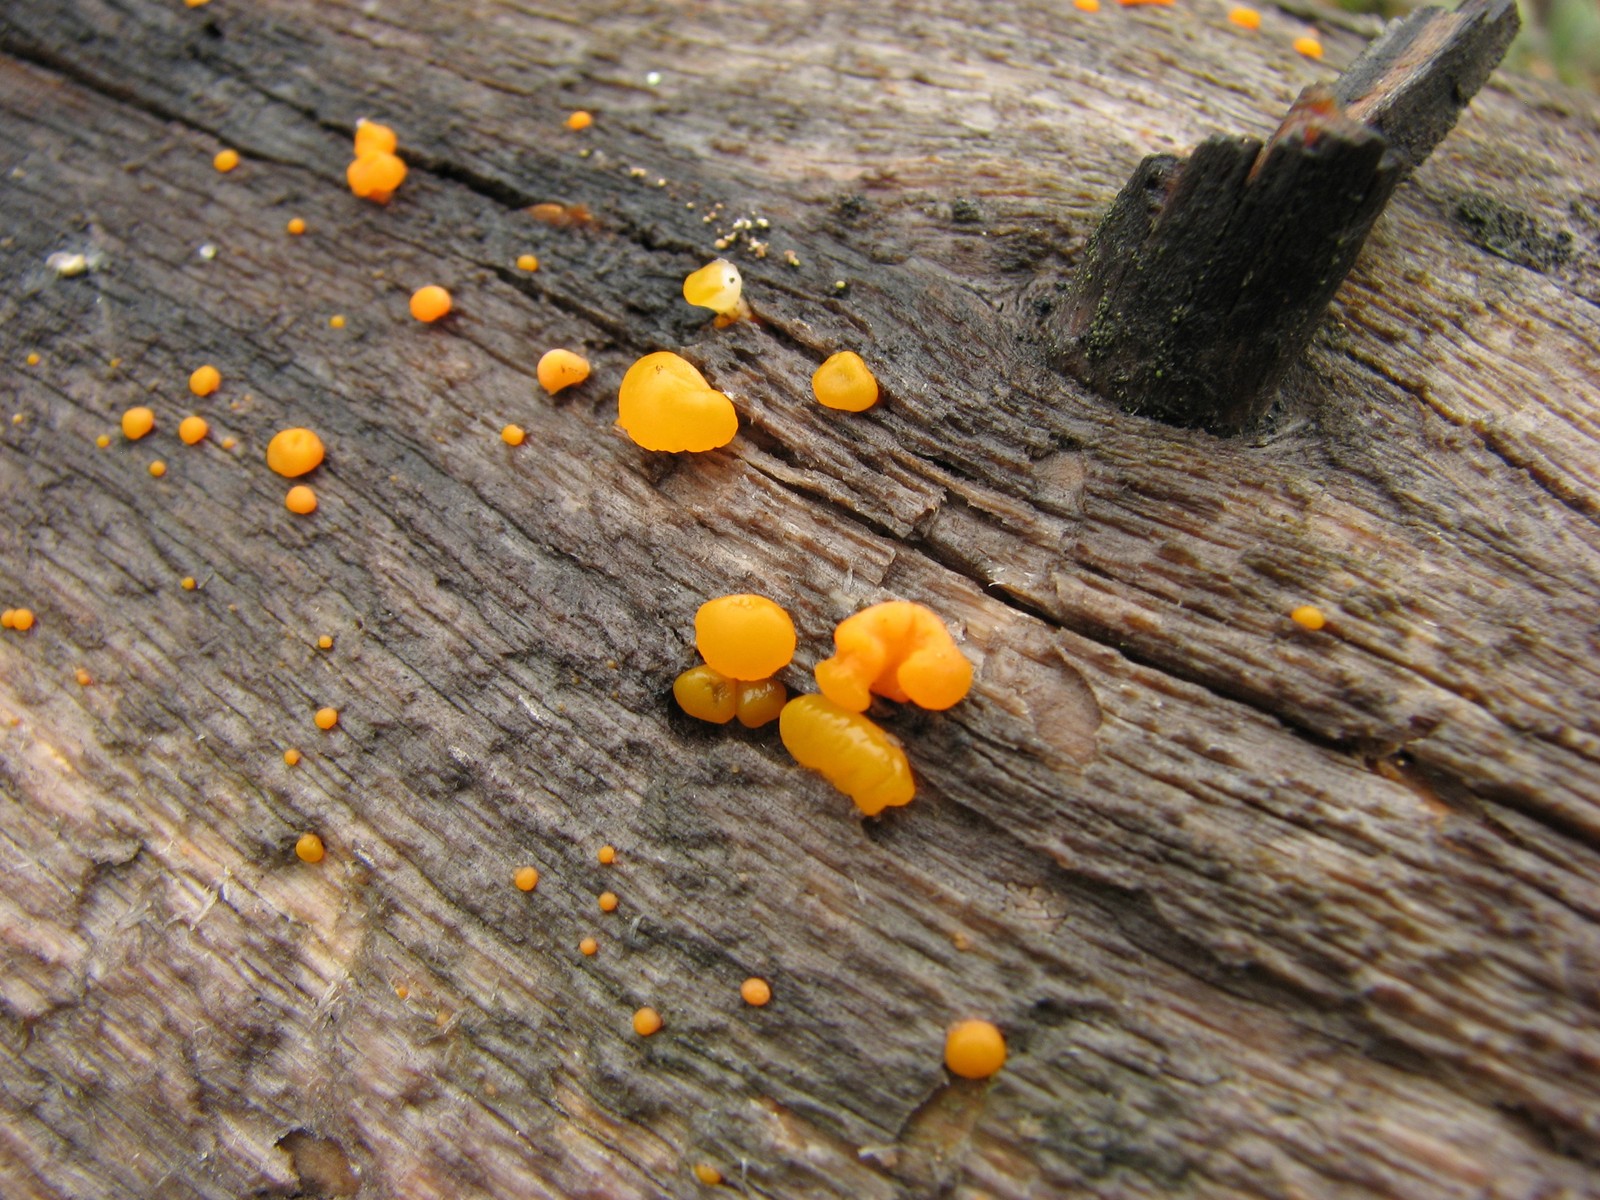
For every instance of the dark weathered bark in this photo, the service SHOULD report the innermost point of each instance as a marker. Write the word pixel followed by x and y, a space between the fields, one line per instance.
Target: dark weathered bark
pixel 1261 912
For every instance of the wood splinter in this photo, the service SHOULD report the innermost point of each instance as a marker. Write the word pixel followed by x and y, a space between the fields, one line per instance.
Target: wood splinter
pixel 1208 275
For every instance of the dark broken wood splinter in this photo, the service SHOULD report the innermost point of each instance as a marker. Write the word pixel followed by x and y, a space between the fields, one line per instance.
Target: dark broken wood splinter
pixel 1207 277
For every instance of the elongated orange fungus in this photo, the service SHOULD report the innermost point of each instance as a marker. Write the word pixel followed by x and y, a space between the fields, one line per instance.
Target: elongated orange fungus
pixel 1245 18
pixel 560 369
pixel 896 649
pixel 309 848
pixel 707 1174
pixel 526 878
pixel 845 382
pixel 719 287
pixel 852 753
pixel 137 422
pixel 301 500
pixel 373 138
pixel 293 452
pixel 974 1049
pixel 744 636
pixel 646 1021
pixel 326 718
pixel 205 380
pixel 192 430
pixel 755 992
pixel 430 303
pixel 665 404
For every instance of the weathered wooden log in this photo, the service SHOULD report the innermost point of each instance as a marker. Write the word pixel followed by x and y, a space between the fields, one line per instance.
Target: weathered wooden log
pixel 1262 912
pixel 1209 275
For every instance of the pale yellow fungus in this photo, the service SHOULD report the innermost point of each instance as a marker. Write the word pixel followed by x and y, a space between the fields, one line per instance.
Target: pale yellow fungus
pixel 309 848
pixel 579 120
pixel 192 430
pixel 205 380
pixel 293 452
pixel 707 1174
pixel 326 718
pixel 852 753
pixel 974 1049
pixel 158 468
pixel 226 160
pixel 719 287
pixel 744 636
pixel 527 262
pixel 291 757
pixel 430 303
pixel 1245 18
pixel 665 404
pixel 526 878
pixel 845 382
pixel 513 435
pixel 646 1021
pixel 296 226
pixel 561 369
pixel 1309 617
pixel 588 946
pixel 896 649
pixel 1309 45
pixel 608 902
pixel 607 855
pixel 755 991
pixel 137 422
pixel 301 500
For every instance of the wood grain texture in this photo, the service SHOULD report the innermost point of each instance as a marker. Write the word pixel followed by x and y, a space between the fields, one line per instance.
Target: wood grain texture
pixel 1262 912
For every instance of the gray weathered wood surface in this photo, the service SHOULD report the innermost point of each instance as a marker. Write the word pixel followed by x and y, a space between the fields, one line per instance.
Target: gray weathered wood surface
pixel 1262 912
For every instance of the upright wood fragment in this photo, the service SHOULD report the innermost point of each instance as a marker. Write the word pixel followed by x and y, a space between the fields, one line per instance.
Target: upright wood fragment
pixel 1207 277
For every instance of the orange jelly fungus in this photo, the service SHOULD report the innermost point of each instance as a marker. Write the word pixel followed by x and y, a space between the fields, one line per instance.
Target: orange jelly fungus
pixel 293 452
pixel 608 902
pixel 852 753
pixel 229 443
pixel 1138 3
pixel 1088 6
pixel 755 992
pixel 226 160
pixel 607 855
pixel 758 702
pixel 373 138
pixel 309 848
pixel 744 636
pixel 719 287
pixel 587 947
pixel 192 430
pixel 513 435
pixel 137 422
pixel 579 120
pixel 103 441
pixel 974 1049
pixel 158 468
pixel 375 176
pixel 336 321
pixel 20 619
pixel 430 303
pixel 301 500
pixel 527 262
pixel 187 583
pixel 707 1174
pixel 666 404
pixel 205 380
pixel 296 226
pixel 896 649
pixel 324 642
pixel 526 879
pixel 646 1021
pixel 326 718
pixel 291 758
pixel 1309 617
pixel 845 382
pixel 560 369
pixel 708 695
pixel 1309 45
pixel 82 677
pixel 1245 18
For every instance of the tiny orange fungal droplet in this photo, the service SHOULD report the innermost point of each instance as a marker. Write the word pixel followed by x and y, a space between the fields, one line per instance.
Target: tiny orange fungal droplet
pixel 103 441
pixel 1308 617
pixel 296 226
pixel 646 1021
pixel 301 500
pixel 33 358
pixel 293 452
pixel 326 718
pixel 1088 6
pixel 666 404
pixel 229 443
pixel 608 902
pixel 607 855
pixel 974 1049
pixel 513 435
pixel 527 262
pixel 845 382
pixel 755 991
pixel 526 879
pixel 1245 18
pixel 744 636
pixel 430 303
pixel 1309 45
pixel 291 757
pixel 588 946
pixel 187 583
pixel 579 120
pixel 137 422
pixel 898 649
pixel 851 752
pixel 82 677
pixel 309 848
pixel 192 430
pixel 324 642
pixel 158 468
pixel 22 619
pixel 561 369
pixel 402 991
pixel 336 321
pixel 226 160
pixel 707 1174
pixel 205 380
